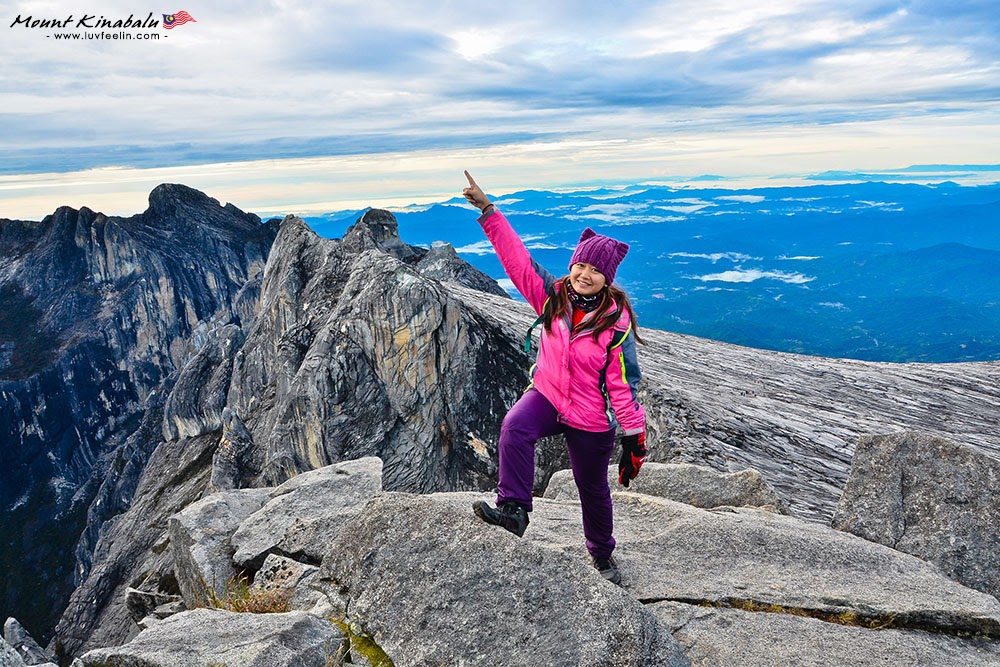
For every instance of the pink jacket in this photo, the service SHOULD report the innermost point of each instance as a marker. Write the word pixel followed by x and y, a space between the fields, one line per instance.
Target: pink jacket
pixel 591 383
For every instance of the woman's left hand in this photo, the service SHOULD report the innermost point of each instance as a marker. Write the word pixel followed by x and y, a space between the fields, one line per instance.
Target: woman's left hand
pixel 633 456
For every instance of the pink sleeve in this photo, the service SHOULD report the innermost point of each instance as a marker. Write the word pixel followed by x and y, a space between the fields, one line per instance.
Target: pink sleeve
pixel 530 279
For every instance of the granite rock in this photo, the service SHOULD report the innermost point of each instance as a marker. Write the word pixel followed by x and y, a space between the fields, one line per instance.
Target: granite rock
pixel 431 584
pixel 929 497
pixel 200 543
pixel 303 515
pixel 686 483
pixel 213 636
pixel 721 637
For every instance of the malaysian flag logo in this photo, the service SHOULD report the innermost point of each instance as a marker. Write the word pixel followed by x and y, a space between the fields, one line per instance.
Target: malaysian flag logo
pixel 176 19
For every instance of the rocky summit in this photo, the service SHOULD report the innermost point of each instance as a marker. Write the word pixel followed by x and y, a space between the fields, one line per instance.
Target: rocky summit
pixel 393 578
pixel 215 417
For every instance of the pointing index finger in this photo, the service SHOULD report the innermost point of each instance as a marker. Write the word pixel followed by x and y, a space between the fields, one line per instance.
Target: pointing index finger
pixel 472 182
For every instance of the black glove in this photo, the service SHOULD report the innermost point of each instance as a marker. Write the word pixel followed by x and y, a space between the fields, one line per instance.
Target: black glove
pixel 633 456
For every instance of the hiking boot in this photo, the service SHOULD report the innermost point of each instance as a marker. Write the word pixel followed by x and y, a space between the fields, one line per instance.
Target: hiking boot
pixel 508 515
pixel 608 569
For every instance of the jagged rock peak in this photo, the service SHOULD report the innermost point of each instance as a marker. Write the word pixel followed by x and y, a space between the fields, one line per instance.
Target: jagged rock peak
pixel 381 224
pixel 378 228
pixel 25 645
pixel 295 227
pixel 443 263
pixel 180 206
pixel 175 193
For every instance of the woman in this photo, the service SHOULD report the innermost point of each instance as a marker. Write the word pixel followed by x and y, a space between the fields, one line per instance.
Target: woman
pixel 583 383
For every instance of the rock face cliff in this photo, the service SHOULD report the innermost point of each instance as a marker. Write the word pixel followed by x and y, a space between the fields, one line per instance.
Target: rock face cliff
pixel 95 312
pixel 352 351
pixel 365 346
pixel 355 352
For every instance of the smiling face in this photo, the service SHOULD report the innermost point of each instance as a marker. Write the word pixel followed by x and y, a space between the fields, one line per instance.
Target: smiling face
pixel 586 279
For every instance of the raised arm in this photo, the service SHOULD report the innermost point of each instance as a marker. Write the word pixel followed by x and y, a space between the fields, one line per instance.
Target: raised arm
pixel 530 279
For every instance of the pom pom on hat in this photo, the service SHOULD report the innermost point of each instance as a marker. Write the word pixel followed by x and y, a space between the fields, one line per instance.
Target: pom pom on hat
pixel 604 252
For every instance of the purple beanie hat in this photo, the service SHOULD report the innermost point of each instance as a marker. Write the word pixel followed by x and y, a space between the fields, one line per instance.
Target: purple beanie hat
pixel 603 252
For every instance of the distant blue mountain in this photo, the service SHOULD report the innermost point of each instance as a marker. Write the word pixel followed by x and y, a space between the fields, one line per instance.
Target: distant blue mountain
pixel 872 270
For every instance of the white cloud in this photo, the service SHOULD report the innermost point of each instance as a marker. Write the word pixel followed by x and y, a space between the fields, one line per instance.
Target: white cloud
pixel 886 73
pixel 474 43
pixel 715 256
pixel 547 246
pixel 685 206
pixel 747 199
pixel 752 275
pixel 531 241
pixel 698 26
pixel 477 248
pixel 612 209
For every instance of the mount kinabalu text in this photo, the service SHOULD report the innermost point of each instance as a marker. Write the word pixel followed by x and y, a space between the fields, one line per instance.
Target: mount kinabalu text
pixel 368 346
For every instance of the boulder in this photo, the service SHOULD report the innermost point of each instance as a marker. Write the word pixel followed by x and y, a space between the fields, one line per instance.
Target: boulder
pixel 141 604
pixel 672 551
pixel 929 497
pixel 696 485
pixel 215 637
pixel 199 542
pixel 714 637
pixel 289 580
pixel 431 584
pixel 161 612
pixel 421 579
pixel 8 656
pixel 304 514
pixel 22 642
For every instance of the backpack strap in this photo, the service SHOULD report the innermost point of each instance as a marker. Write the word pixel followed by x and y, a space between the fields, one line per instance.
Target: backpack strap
pixel 619 336
pixel 527 339
pixel 538 320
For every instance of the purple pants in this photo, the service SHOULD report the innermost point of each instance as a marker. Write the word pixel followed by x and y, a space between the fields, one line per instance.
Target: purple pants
pixel 533 417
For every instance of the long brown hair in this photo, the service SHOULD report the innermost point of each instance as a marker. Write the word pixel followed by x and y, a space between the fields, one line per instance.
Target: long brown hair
pixel 557 305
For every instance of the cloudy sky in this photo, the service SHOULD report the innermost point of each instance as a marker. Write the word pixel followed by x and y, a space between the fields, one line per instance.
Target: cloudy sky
pixel 294 106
